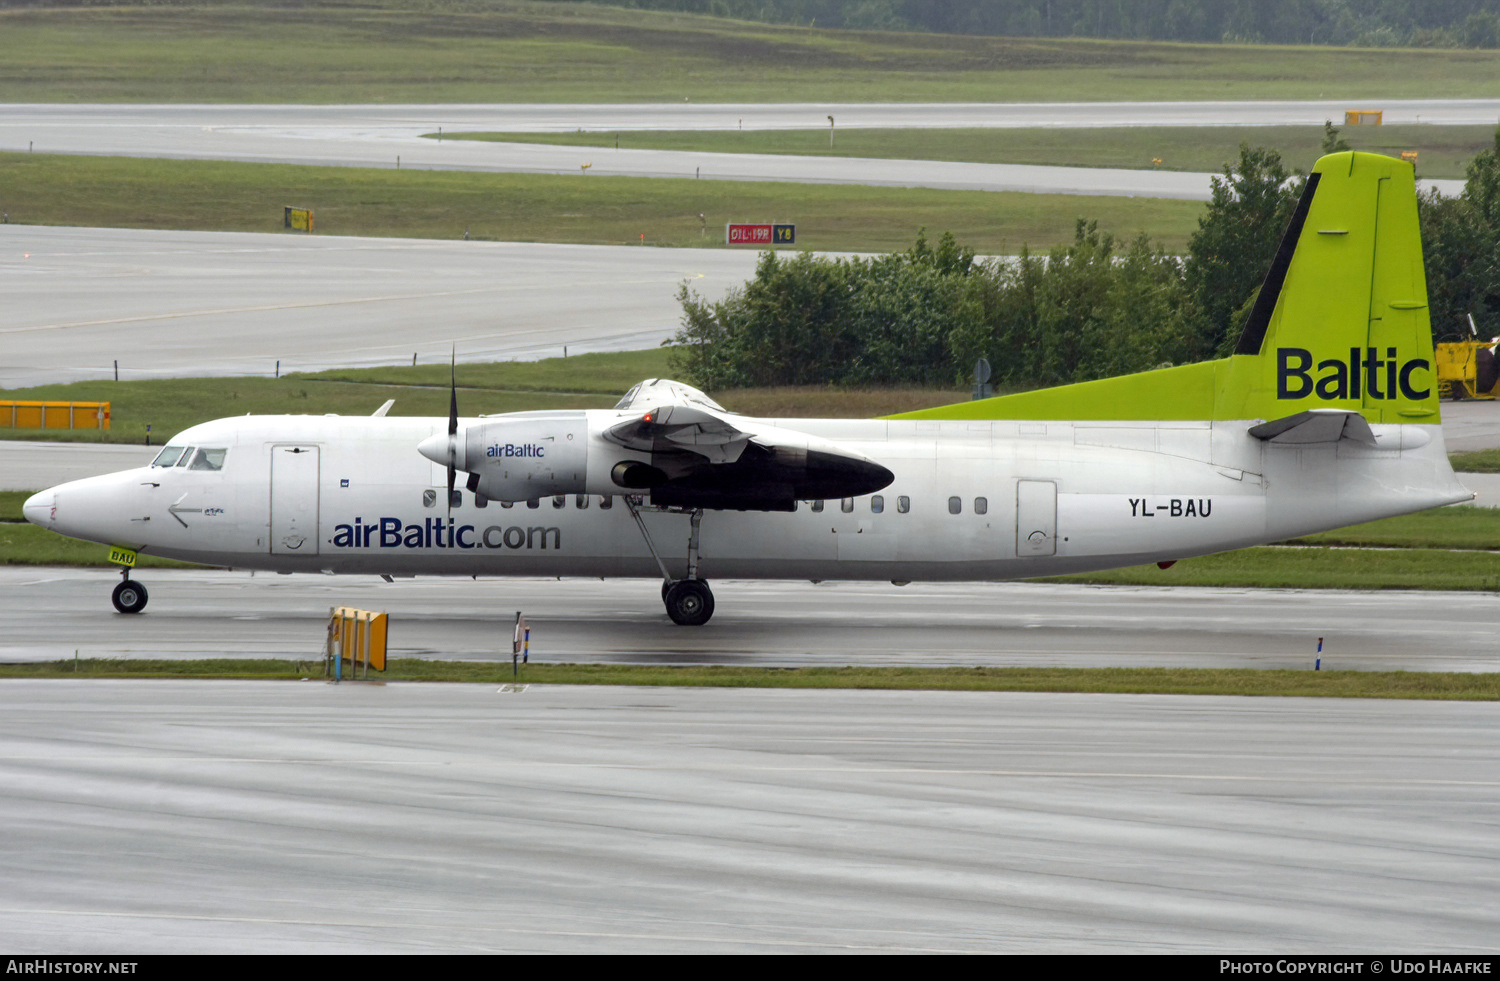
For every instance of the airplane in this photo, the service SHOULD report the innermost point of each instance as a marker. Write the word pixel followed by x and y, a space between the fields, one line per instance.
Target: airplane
pixel 1325 415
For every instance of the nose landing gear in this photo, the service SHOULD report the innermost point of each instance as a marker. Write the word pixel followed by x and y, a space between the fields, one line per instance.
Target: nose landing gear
pixel 129 596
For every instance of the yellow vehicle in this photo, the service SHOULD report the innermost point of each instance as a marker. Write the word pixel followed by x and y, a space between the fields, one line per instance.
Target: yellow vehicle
pixel 1467 369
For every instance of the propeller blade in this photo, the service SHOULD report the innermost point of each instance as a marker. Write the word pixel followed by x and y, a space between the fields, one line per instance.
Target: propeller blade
pixel 452 423
pixel 453 394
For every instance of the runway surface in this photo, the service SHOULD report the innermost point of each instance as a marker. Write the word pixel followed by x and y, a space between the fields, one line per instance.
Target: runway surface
pixel 141 125
pixel 172 304
pixel 50 613
pixel 391 136
pixel 306 818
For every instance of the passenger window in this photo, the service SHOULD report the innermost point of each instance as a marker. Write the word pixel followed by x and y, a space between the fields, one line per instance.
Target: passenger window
pixel 507 504
pixel 903 504
pixel 955 505
pixel 534 503
pixel 580 501
pixel 817 505
pixel 606 502
pixel 877 504
pixel 847 505
pixel 187 456
pixel 480 501
pixel 429 498
pixel 981 505
pixel 167 457
pixel 456 499
pixel 559 500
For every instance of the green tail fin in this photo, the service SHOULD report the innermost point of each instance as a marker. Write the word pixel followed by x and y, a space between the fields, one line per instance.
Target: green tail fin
pixel 1340 323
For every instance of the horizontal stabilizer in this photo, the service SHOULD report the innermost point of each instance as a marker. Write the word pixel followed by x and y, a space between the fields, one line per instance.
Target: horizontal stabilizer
pixel 1316 426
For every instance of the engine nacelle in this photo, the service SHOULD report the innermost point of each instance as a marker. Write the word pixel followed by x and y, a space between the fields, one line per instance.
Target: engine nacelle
pixel 530 456
pixel 682 455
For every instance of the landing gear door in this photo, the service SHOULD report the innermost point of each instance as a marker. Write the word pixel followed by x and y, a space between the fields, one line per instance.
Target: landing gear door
pixel 294 500
pixel 1036 518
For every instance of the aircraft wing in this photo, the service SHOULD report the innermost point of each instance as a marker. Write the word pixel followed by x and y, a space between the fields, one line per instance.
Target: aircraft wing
pixel 681 427
pixel 700 457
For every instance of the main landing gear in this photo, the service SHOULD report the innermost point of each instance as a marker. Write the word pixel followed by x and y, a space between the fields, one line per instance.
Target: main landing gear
pixel 689 601
pixel 129 596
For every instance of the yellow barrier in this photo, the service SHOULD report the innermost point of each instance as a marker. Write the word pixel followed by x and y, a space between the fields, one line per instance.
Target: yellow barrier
pixel 55 415
pixel 1356 117
pixel 356 636
pixel 299 219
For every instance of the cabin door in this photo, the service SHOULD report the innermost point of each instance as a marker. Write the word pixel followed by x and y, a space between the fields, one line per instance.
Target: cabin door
pixel 294 500
pixel 1036 518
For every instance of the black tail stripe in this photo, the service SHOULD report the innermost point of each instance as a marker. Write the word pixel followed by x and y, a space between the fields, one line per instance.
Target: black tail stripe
pixel 1259 321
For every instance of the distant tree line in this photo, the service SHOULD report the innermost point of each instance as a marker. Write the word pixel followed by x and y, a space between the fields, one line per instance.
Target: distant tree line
pixel 1093 308
pixel 1377 23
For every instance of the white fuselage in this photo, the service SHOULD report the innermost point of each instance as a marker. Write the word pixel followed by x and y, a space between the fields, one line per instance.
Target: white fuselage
pixel 988 500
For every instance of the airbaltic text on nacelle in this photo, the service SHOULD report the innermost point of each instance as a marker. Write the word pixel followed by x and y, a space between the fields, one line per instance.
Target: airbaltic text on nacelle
pixel 440 533
pixel 512 449
pixel 1367 372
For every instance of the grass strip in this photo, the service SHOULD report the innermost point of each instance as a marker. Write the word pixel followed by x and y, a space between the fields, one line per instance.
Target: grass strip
pixel 28 544
pixel 1443 151
pixel 394 51
pixel 10 506
pixel 1462 527
pixel 214 195
pixel 1476 461
pixel 171 405
pixel 1270 567
pixel 584 381
pixel 1280 567
pixel 1163 681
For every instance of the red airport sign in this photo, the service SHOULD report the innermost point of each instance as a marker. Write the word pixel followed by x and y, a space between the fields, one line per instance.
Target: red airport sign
pixel 775 234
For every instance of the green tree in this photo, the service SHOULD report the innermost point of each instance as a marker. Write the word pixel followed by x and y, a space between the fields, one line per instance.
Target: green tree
pixel 812 320
pixel 1332 142
pixel 1089 309
pixel 1461 245
pixel 1230 252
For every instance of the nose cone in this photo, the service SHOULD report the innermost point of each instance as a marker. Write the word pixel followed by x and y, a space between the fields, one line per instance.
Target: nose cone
pixel 39 509
pixel 435 448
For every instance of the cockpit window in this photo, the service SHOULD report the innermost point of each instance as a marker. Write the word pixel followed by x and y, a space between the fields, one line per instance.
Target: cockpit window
pixel 626 399
pixel 167 457
pixel 187 456
pixel 208 458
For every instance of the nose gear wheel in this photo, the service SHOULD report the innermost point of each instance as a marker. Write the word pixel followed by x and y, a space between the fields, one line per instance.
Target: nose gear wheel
pixel 129 597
